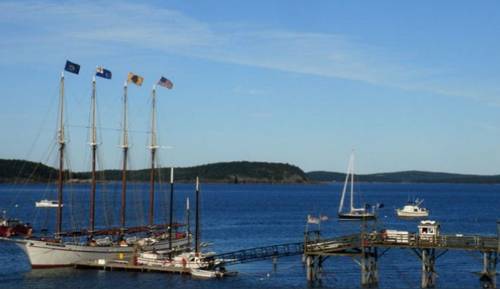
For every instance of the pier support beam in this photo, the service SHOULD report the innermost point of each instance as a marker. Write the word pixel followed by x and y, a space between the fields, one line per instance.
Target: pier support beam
pixel 488 275
pixel 369 271
pixel 314 267
pixel 429 275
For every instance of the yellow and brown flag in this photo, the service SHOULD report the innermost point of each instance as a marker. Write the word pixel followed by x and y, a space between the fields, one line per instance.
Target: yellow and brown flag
pixel 135 79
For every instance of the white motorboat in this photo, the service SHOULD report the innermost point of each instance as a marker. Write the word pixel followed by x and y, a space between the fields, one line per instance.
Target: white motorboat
pixel 413 210
pixel 187 260
pixel 205 273
pixel 47 204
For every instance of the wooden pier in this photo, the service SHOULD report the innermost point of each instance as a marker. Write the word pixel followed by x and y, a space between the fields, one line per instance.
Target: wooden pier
pixel 367 248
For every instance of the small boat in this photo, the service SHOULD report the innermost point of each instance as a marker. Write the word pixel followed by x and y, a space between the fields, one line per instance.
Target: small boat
pixel 354 213
pixel 206 273
pixel 13 227
pixel 187 260
pixel 413 210
pixel 47 204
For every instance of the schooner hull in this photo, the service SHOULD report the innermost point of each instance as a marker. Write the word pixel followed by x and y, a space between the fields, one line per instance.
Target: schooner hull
pixel 42 254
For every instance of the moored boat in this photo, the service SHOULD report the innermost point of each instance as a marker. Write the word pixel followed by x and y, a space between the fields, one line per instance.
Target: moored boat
pixel 13 227
pixel 413 210
pixel 47 204
pixel 64 248
pixel 364 213
pixel 206 274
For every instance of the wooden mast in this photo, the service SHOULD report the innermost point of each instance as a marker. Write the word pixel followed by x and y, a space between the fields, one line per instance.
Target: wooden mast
pixel 171 217
pixel 124 164
pixel 153 146
pixel 93 145
pixel 188 223
pixel 61 142
pixel 197 219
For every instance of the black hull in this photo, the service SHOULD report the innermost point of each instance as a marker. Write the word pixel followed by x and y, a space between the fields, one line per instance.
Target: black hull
pixel 355 217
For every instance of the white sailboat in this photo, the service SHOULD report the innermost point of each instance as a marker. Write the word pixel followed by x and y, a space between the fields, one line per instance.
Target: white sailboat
pixel 353 213
pixel 62 249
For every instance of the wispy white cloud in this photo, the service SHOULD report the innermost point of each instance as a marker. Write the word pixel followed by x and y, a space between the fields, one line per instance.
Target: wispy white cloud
pixel 47 28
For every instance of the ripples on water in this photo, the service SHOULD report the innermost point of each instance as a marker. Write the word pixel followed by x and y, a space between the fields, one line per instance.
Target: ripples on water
pixel 244 216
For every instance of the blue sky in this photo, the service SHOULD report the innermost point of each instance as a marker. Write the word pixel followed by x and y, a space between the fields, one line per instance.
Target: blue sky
pixel 408 85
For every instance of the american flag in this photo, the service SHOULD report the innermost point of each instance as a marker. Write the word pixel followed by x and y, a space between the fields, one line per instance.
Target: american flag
pixel 165 83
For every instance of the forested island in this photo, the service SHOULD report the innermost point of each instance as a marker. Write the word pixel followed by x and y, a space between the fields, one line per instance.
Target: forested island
pixel 18 171
pixel 223 172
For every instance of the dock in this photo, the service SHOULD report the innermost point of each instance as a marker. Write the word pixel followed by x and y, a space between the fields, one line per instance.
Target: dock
pixel 366 248
pixel 130 267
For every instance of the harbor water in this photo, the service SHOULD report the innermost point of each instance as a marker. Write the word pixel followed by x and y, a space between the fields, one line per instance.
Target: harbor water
pixel 250 215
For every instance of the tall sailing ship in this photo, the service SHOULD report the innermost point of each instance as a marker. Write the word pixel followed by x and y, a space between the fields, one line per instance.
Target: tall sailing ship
pixel 65 248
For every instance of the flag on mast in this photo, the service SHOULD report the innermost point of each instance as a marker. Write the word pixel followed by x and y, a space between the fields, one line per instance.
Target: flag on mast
pixel 135 79
pixel 72 67
pixel 104 73
pixel 165 83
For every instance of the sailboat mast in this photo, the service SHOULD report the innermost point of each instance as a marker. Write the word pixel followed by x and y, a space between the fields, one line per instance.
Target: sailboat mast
pixel 93 145
pixel 344 189
pixel 124 164
pixel 153 146
pixel 352 181
pixel 171 217
pixel 188 223
pixel 197 219
pixel 61 142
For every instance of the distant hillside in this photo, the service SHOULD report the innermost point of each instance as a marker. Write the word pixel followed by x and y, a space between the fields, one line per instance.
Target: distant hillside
pixel 227 172
pixel 17 171
pixel 405 177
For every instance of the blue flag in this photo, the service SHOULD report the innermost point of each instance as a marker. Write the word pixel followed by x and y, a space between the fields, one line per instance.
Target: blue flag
pixel 104 73
pixel 72 67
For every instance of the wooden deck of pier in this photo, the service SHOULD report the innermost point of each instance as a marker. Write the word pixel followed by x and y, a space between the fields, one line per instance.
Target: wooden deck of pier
pixel 366 248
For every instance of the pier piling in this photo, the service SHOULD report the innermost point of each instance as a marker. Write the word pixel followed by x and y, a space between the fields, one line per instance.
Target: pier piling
pixel 369 271
pixel 488 275
pixel 429 275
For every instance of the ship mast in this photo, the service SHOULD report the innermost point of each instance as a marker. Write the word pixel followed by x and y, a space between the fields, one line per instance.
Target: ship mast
pixel 352 181
pixel 153 146
pixel 171 217
pixel 124 164
pixel 93 145
pixel 197 219
pixel 188 223
pixel 61 142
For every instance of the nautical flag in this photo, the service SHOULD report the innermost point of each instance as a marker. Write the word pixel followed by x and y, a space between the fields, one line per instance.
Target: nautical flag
pixel 104 73
pixel 72 67
pixel 312 220
pixel 134 78
pixel 165 83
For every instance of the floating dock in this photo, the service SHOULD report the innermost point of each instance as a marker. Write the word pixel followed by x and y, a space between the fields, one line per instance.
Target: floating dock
pixel 129 267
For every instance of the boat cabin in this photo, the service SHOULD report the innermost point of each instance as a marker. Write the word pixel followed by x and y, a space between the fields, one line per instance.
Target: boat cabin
pixel 428 230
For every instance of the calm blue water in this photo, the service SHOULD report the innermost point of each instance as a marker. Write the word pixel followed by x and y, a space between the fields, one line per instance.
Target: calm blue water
pixel 243 216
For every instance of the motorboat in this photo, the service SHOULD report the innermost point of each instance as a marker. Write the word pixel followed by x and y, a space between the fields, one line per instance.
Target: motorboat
pixel 47 204
pixel 413 209
pixel 206 274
